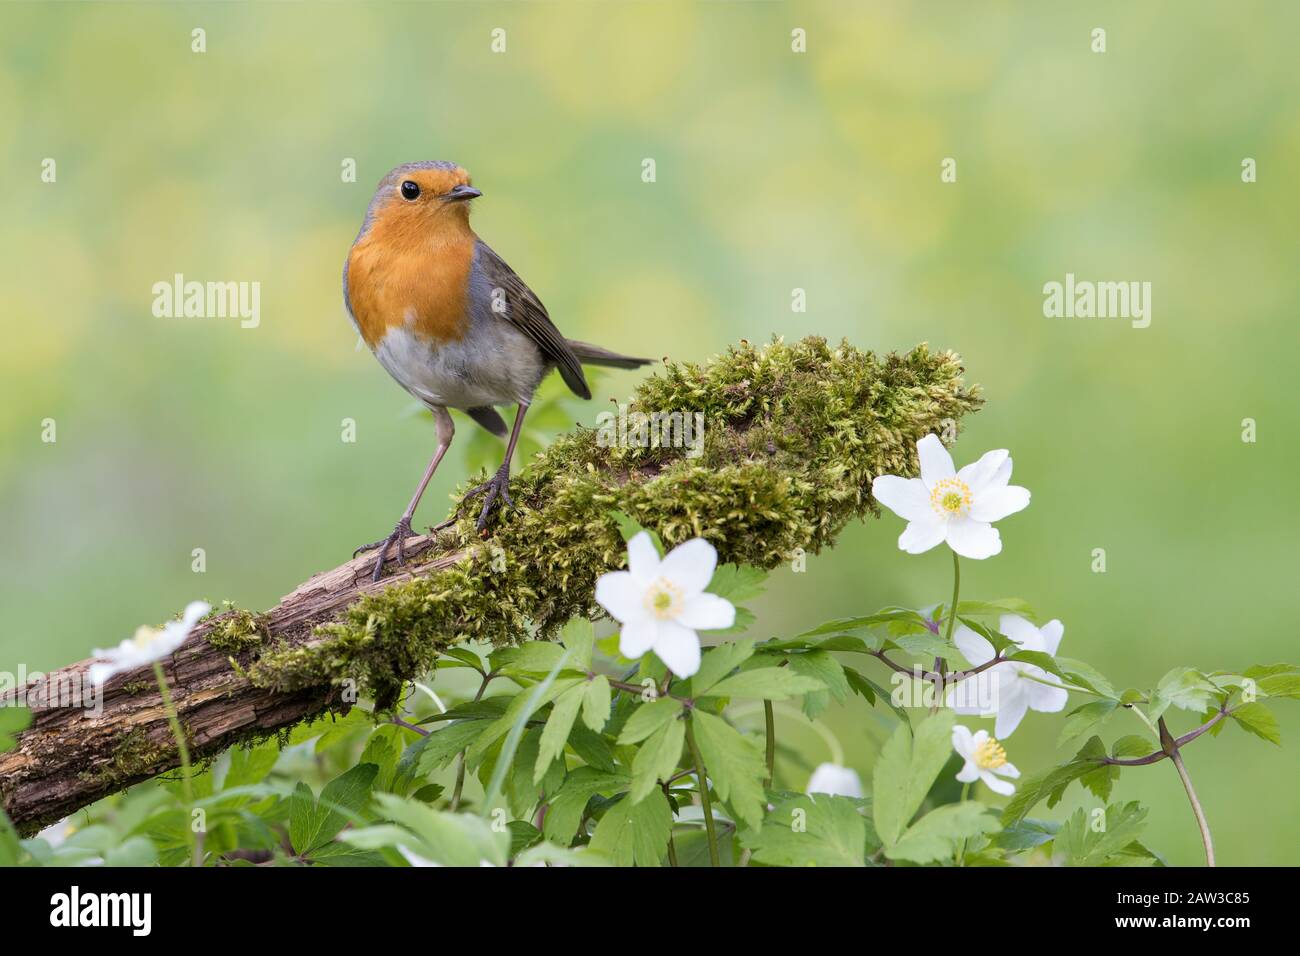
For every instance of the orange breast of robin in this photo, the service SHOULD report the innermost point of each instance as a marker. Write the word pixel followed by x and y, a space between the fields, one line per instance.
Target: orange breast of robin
pixel 413 278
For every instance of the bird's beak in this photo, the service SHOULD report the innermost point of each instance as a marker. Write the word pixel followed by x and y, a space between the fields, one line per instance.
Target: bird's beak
pixel 461 194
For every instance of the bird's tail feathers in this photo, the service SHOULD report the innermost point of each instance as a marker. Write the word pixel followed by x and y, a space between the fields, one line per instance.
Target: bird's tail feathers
pixel 589 354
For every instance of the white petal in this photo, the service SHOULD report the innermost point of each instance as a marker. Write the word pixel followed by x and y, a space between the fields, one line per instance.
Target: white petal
pixel 997 784
pixel 936 463
pixel 620 594
pixel 921 536
pixel 978 474
pixel 1008 770
pixel 1001 476
pixel 678 647
pixel 690 565
pixel 962 741
pixel 835 780
pixel 1052 633
pixel 642 558
pixel 193 611
pixel 1011 710
pixel 707 612
pixel 1021 631
pixel 973 647
pixel 1044 699
pixel 101 672
pixel 906 497
pixel 637 637
pixel 973 539
pixel 969 773
pixel 994 504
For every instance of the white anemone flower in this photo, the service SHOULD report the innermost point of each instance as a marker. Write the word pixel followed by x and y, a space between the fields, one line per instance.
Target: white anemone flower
pixel 985 760
pixel 949 505
pixel 835 780
pixel 662 603
pixel 148 645
pixel 1014 689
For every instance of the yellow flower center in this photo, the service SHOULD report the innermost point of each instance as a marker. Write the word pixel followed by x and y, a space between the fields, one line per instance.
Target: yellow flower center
pixel 663 599
pixel 144 636
pixel 990 755
pixel 950 497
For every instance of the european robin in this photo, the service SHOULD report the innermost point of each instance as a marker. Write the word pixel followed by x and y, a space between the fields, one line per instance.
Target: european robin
pixel 451 322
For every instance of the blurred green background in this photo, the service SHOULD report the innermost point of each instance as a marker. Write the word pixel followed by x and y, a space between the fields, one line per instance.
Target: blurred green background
pixel 775 171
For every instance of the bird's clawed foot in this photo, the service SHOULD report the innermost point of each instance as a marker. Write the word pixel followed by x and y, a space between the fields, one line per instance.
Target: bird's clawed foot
pixel 398 537
pixel 498 486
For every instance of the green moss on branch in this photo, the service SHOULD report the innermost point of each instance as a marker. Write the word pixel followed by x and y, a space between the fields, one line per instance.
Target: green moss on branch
pixel 793 436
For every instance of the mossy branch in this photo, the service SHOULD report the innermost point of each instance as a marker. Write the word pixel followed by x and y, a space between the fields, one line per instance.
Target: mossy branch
pixel 794 434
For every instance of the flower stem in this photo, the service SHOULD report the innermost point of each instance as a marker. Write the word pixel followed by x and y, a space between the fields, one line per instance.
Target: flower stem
pixel 183 750
pixel 1171 747
pixel 769 724
pixel 939 662
pixel 961 847
pixel 705 803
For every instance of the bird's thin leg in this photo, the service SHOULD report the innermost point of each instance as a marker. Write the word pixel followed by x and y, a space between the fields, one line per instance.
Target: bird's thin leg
pixel 498 486
pixel 446 429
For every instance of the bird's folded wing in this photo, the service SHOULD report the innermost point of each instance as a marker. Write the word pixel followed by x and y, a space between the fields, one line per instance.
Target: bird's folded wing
pixel 526 311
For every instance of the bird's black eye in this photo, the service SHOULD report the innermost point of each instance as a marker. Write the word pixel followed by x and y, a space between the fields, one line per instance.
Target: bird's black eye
pixel 410 190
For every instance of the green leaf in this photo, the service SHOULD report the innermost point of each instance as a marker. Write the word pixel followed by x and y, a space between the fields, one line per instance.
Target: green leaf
pixel 1051 784
pixel 1026 835
pixel 463 657
pixel 564 811
pixel 905 771
pixel 1274 685
pixel 635 834
pixel 767 683
pixel 1086 676
pixel 1258 720
pixel 596 703
pixel 448 839
pixel 823 667
pixel 1039 659
pixel 717 663
pixel 818 830
pixel 1086 718
pixel 733 765
pixel 996 608
pixel 558 725
pixel 1183 687
pixel 521 708
pixel 1000 642
pixel 437 749
pixel 935 836
pixel 737 583
pixel 579 636
pixel 1133 745
pixel 1082 843
pixel 530 658
pixel 313 822
pixel 657 758
pixel 648 718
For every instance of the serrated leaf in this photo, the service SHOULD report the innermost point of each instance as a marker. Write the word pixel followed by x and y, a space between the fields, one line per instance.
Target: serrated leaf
pixel 314 822
pixel 596 703
pixel 556 732
pixel 822 666
pixel 1133 745
pixel 1080 844
pixel 718 662
pixel 648 718
pixel 656 759
pixel 437 749
pixel 733 765
pixel 635 834
pixel 579 636
pixel 1086 718
pixel 767 683
pixel 1258 720
pixel 1086 676
pixel 1185 688
pixel 1280 685
pixel 813 830
pixel 564 811
pixel 905 771
pixel 1051 784
pixel 737 583
pixel 935 836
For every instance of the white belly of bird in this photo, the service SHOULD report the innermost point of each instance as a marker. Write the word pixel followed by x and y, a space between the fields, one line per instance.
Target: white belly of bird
pixel 494 364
